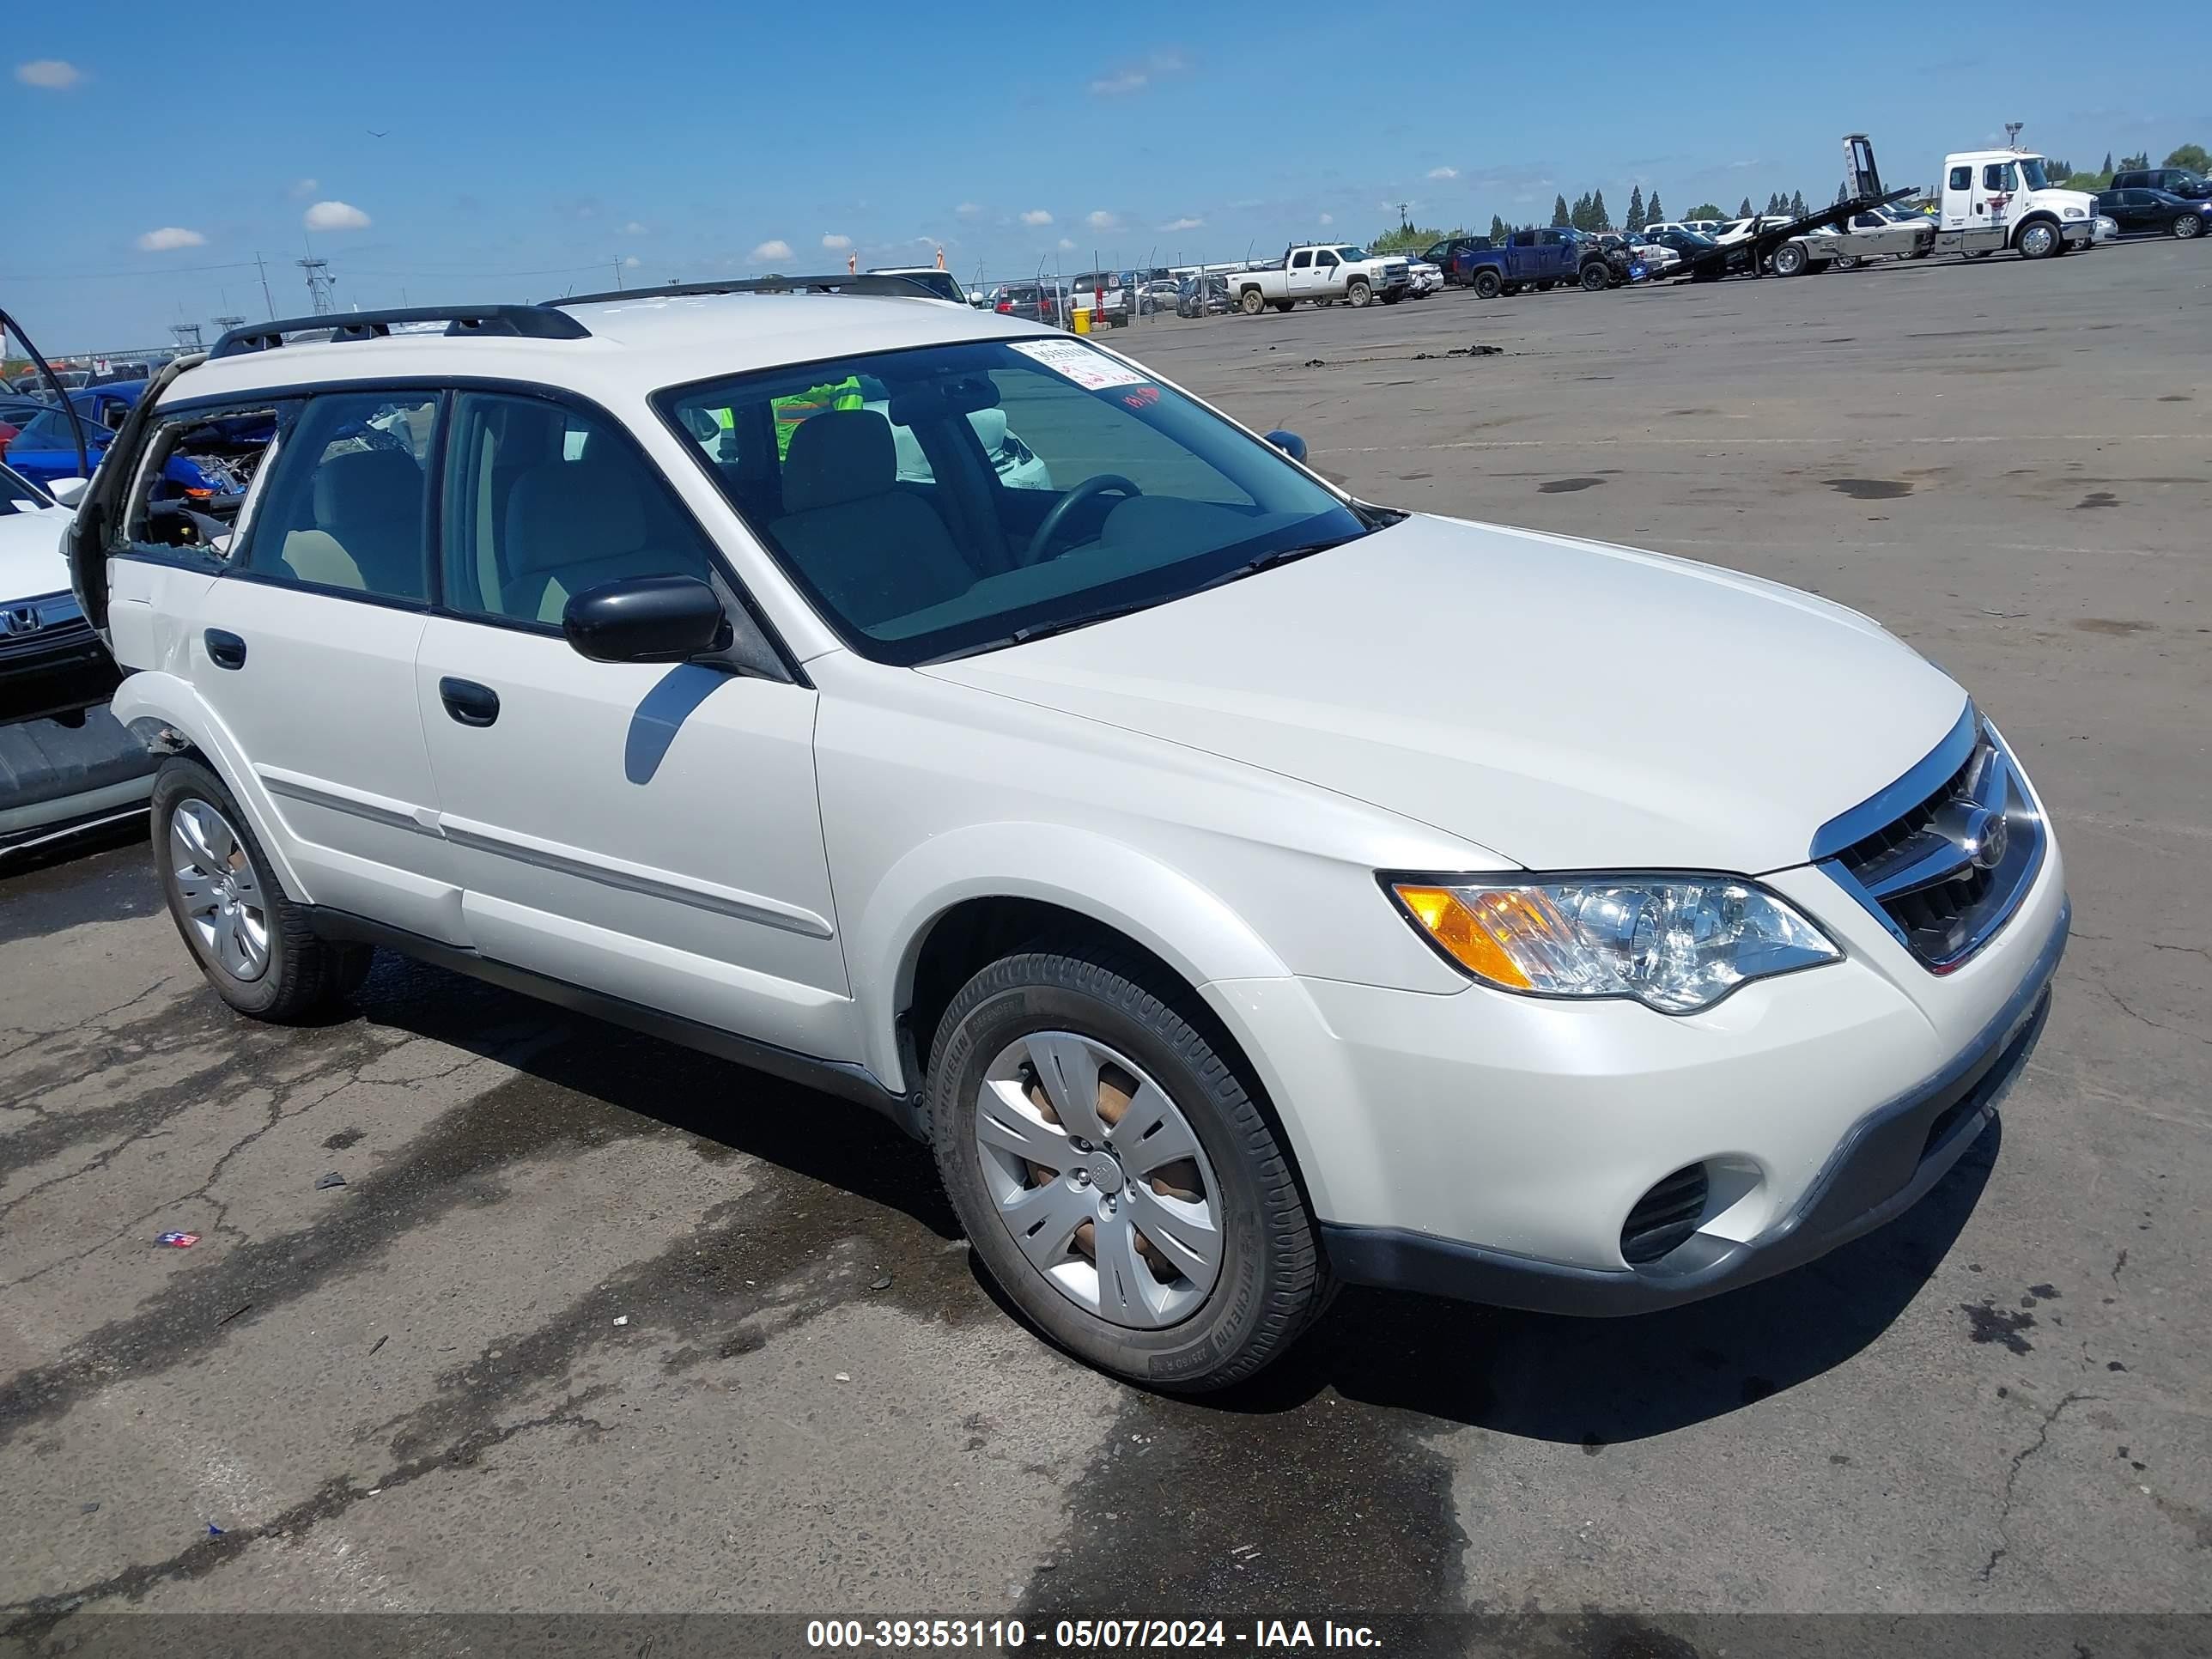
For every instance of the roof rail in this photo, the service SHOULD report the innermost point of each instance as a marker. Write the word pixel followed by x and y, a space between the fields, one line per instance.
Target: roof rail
pixel 897 287
pixel 530 322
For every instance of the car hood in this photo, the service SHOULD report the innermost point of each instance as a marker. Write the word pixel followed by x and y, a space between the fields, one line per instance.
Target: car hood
pixel 1564 704
pixel 31 559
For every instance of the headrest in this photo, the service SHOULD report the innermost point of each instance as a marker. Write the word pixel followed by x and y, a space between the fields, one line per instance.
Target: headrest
pixel 370 486
pixel 564 512
pixel 839 455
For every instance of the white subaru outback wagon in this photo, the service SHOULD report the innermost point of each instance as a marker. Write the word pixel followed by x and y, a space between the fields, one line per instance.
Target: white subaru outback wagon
pixel 1245 889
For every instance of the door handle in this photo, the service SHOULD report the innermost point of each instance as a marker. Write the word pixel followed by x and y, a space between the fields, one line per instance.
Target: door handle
pixel 468 702
pixel 225 650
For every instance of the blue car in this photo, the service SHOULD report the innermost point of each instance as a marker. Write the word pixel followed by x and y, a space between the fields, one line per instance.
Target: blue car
pixel 44 451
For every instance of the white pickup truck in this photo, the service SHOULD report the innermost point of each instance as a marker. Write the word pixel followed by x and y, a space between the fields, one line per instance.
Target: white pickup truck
pixel 1322 270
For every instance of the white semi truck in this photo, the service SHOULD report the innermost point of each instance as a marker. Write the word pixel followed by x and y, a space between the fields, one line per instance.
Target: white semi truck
pixel 1993 200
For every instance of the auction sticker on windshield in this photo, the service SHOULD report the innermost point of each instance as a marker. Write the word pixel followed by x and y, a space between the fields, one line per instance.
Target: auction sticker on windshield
pixel 1079 363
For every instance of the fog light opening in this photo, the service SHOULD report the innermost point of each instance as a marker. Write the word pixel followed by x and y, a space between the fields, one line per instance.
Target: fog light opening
pixel 1666 1215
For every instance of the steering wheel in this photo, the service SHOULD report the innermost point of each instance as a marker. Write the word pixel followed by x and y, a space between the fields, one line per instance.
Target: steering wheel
pixel 1097 485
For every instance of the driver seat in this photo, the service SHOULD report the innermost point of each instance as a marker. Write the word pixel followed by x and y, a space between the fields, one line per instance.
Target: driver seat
pixel 873 551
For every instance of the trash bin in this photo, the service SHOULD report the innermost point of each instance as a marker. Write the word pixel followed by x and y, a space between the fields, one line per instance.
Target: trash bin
pixel 1083 319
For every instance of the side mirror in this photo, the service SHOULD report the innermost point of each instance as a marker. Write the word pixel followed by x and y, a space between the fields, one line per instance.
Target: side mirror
pixel 646 619
pixel 1289 443
pixel 69 491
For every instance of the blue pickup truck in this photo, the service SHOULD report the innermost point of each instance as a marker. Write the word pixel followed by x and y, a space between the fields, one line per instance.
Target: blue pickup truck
pixel 1541 259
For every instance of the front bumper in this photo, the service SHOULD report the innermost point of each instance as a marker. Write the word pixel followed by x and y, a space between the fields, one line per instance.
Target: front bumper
pixel 1886 1164
pixel 58 777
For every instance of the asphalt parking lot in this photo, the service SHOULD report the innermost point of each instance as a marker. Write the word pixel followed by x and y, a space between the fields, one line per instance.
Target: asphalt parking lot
pixel 596 1324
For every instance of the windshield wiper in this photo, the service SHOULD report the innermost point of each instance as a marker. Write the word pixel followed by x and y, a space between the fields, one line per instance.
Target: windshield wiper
pixel 1066 624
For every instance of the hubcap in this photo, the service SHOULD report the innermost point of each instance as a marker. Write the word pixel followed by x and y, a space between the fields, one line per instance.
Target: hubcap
pixel 2037 240
pixel 217 889
pixel 1099 1179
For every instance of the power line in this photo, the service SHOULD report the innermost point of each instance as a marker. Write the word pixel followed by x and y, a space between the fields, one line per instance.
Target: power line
pixel 84 276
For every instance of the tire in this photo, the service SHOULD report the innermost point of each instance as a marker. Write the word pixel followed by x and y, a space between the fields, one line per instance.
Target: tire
pixel 1392 297
pixel 1543 285
pixel 1847 262
pixel 1285 305
pixel 1789 260
pixel 261 959
pixel 1269 1278
pixel 1488 283
pixel 2186 225
pixel 1251 303
pixel 2037 240
pixel 1595 278
pixel 1359 294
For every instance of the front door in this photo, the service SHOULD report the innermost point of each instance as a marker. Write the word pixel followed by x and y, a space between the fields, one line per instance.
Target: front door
pixel 304 648
pixel 651 832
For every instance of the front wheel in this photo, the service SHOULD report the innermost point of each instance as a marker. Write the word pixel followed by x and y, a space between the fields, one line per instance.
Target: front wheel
pixel 1251 303
pixel 1359 294
pixel 1488 283
pixel 2187 225
pixel 2038 241
pixel 1113 1172
pixel 1595 278
pixel 251 940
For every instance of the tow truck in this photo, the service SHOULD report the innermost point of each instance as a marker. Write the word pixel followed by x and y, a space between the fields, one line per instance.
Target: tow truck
pixel 1992 200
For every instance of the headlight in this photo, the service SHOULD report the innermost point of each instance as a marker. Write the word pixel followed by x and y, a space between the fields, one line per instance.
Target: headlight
pixel 1675 943
pixel 2077 213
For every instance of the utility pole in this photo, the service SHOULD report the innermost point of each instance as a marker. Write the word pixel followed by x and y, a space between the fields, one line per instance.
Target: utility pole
pixel 319 281
pixel 618 281
pixel 265 300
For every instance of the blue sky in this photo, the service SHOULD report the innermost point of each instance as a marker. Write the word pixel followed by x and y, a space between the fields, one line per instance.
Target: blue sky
pixel 530 150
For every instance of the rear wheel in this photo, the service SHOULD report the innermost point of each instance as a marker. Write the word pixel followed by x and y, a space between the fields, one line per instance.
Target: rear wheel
pixel 1114 1175
pixel 1846 261
pixel 1359 294
pixel 251 940
pixel 1488 283
pixel 1251 303
pixel 1789 260
pixel 2186 225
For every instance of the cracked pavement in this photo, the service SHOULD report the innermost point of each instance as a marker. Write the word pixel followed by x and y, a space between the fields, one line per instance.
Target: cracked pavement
pixel 572 1335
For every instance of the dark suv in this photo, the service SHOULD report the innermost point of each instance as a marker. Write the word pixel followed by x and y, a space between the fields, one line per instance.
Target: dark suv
pixel 1444 254
pixel 1030 301
pixel 2175 181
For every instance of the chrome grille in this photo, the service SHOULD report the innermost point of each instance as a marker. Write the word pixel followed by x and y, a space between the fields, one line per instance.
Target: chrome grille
pixel 1948 869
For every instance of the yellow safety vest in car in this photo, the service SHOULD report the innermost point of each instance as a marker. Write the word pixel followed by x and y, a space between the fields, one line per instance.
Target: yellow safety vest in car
pixel 791 411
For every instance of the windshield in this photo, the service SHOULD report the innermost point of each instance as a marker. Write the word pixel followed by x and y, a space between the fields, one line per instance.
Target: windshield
pixel 952 498
pixel 19 494
pixel 1346 250
pixel 52 430
pixel 2031 168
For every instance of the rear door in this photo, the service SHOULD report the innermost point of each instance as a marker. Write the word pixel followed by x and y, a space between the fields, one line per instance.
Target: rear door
pixel 648 831
pixel 1299 277
pixel 303 648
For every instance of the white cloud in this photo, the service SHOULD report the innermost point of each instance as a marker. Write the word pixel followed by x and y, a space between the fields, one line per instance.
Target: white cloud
pixel 926 241
pixel 836 243
pixel 632 263
pixel 335 215
pixel 1099 219
pixel 300 189
pixel 1187 222
pixel 169 236
pixel 1328 218
pixel 1067 245
pixel 52 73
pixel 634 229
pixel 1443 173
pixel 1135 77
pixel 774 248
pixel 1036 216
pixel 969 210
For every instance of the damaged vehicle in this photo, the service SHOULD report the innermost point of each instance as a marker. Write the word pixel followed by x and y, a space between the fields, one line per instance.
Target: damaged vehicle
pixel 66 766
pixel 1143 837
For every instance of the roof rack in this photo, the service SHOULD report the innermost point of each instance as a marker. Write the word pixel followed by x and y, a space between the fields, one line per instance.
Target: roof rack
pixel 529 322
pixel 897 287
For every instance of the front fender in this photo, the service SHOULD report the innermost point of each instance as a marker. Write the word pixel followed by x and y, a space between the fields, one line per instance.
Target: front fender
pixel 152 703
pixel 1183 923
